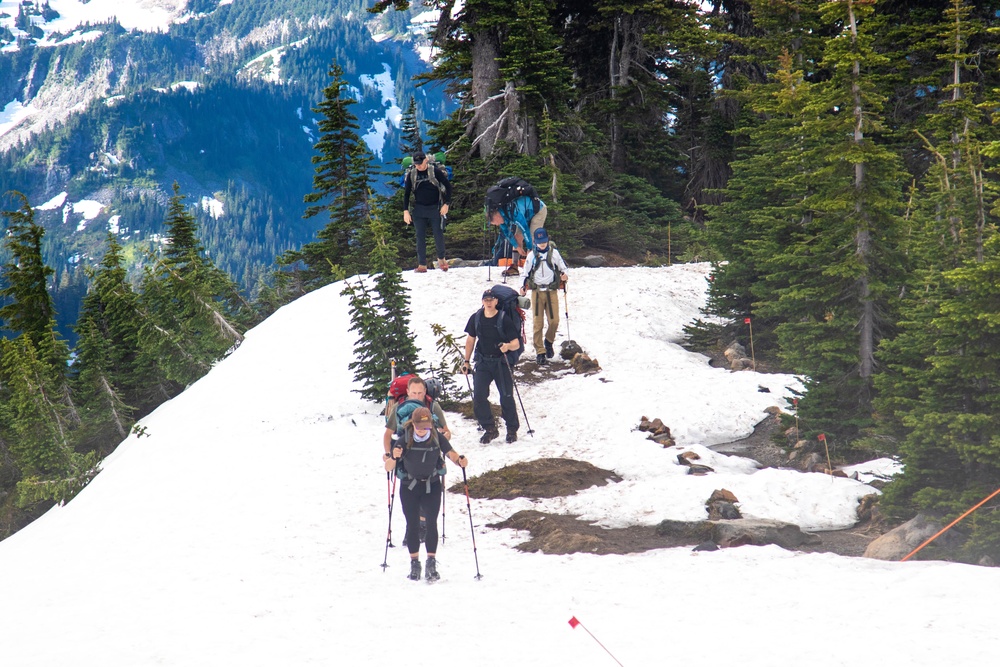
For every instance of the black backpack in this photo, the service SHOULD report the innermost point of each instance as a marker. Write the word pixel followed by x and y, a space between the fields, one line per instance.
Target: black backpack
pixel 500 196
pixel 508 307
pixel 422 461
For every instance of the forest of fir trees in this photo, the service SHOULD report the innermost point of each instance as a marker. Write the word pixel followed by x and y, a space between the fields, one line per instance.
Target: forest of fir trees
pixel 836 161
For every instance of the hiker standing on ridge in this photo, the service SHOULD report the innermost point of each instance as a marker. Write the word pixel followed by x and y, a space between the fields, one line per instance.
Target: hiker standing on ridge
pixel 545 271
pixel 431 192
pixel 417 459
pixel 514 207
pixel 490 344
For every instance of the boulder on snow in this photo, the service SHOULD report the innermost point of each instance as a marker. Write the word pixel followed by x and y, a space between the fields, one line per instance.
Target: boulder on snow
pixel 583 364
pixel 759 532
pixel 594 261
pixel 720 509
pixel 569 349
pixel 737 357
pixel 903 539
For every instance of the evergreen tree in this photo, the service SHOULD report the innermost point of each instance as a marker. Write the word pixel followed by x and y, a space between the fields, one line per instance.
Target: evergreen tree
pixel 190 310
pixel 951 447
pixel 28 305
pixel 409 126
pixel 380 317
pixel 340 190
pixel 117 380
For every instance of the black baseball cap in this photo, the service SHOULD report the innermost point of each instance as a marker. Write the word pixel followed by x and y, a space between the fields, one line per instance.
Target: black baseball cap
pixel 419 157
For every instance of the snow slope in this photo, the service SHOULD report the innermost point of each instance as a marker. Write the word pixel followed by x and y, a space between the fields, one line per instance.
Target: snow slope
pixel 247 526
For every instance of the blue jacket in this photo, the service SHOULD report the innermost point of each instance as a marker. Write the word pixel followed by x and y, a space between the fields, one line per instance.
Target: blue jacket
pixel 519 213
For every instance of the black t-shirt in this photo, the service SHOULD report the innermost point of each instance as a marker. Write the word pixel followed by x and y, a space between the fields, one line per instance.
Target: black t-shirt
pixel 423 191
pixel 488 339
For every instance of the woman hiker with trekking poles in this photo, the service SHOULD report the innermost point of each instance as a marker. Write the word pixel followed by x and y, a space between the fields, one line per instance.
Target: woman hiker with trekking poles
pixel 417 459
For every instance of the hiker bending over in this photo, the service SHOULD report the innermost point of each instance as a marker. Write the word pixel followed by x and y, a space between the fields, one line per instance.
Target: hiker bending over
pixel 431 192
pixel 517 221
pixel 491 335
pixel 545 272
pixel 417 459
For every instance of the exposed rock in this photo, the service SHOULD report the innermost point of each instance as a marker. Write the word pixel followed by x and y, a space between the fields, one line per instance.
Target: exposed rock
pixel 723 494
pixel 690 456
pixel 720 509
pixel 595 261
pixel 707 546
pixel 693 530
pixel 695 469
pixel 569 349
pixel 737 357
pixel 903 539
pixel 868 508
pixel 735 351
pixel 584 364
pixel 760 532
pixel 809 461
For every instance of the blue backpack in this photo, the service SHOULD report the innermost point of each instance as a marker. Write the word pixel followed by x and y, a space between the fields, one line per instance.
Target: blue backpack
pixel 405 410
pixel 508 307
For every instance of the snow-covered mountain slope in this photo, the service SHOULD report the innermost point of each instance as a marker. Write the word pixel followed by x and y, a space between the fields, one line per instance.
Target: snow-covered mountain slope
pixel 246 525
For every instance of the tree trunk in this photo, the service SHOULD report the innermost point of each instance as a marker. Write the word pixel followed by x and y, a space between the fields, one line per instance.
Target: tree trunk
pixel 489 107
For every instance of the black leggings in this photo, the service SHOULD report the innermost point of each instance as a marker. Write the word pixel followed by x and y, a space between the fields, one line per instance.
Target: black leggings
pixel 418 502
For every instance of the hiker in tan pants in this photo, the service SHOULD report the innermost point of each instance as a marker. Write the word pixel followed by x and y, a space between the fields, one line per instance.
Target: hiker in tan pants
pixel 545 272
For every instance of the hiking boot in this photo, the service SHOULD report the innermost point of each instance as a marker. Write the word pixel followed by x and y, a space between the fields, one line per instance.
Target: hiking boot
pixel 541 360
pixel 423 530
pixel 443 264
pixel 511 436
pixel 420 269
pixel 512 271
pixel 431 573
pixel 492 433
pixel 549 351
pixel 414 569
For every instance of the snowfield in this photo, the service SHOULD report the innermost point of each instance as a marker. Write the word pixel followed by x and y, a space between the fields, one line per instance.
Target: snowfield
pixel 247 525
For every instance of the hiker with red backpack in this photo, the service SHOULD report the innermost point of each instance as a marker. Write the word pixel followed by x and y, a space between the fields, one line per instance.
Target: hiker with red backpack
pixel 513 206
pixel 544 273
pixel 496 338
pixel 401 407
pixel 428 183
pixel 417 458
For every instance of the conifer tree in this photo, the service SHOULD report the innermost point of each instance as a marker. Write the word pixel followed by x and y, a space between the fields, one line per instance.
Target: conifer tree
pixel 28 305
pixel 409 127
pixel 36 424
pixel 117 380
pixel 190 309
pixel 380 317
pixel 340 191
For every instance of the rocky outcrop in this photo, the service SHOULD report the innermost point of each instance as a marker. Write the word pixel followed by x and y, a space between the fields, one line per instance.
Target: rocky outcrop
pixel 903 539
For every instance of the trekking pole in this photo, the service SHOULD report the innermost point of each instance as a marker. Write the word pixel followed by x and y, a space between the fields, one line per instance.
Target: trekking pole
pixel 486 241
pixel 444 506
pixel 566 304
pixel 507 249
pixel 388 535
pixel 531 432
pixel 468 504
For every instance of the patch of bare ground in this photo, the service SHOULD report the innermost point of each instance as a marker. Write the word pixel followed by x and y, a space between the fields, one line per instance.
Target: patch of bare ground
pixel 563 534
pixel 541 478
